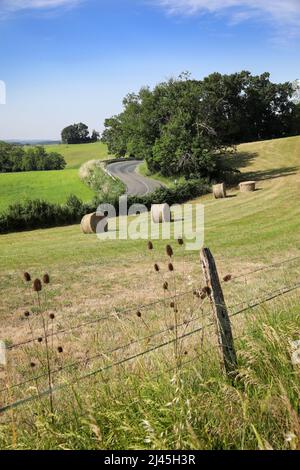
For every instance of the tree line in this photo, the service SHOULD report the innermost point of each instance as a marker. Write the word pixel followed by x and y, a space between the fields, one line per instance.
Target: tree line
pixel 15 158
pixel 186 126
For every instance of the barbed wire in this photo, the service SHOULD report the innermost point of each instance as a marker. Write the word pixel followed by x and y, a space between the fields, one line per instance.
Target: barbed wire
pixel 264 268
pixel 103 353
pixel 142 307
pixel 140 354
pixel 60 387
pixel 99 319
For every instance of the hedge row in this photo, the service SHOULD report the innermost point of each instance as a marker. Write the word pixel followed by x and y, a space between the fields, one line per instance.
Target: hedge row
pixel 37 214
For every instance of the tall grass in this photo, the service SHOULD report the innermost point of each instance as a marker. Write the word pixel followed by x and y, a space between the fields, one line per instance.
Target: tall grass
pixel 173 398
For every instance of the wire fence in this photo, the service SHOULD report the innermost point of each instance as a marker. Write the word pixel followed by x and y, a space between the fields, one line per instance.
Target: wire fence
pixel 201 294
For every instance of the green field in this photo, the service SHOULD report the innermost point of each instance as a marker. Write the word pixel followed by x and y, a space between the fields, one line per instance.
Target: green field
pixel 263 223
pixel 133 406
pixel 52 186
pixel 76 155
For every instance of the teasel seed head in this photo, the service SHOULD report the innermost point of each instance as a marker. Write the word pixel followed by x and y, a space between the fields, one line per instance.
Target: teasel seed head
pixel 52 316
pixel 26 314
pixel 172 304
pixel 139 314
pixel 40 340
pixel 32 365
pixel 27 277
pixel 180 241
pixel 46 279
pixel 165 285
pixel 171 267
pixel 206 290
pixel 227 278
pixel 156 267
pixel 169 251
pixel 60 349
pixel 150 245
pixel 37 285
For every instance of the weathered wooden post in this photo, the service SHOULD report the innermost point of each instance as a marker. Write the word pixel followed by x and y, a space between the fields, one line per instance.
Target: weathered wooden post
pixel 220 313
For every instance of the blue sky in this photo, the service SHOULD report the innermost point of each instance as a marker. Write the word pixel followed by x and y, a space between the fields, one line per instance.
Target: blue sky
pixel 65 61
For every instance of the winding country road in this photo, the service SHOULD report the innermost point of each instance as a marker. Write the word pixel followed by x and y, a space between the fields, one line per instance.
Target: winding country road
pixel 136 184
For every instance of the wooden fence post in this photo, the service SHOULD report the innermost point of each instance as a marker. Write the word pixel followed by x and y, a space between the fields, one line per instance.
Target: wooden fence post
pixel 220 313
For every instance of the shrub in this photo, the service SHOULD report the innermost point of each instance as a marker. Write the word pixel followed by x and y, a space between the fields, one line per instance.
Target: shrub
pixel 36 214
pixel 177 194
pixel 14 158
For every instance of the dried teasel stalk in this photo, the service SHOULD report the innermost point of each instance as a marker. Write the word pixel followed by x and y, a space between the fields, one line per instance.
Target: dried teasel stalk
pixel 27 277
pixel 37 285
pixel 169 251
pixel 150 245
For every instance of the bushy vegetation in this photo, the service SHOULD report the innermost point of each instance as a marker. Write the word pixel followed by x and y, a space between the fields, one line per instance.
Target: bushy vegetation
pixel 14 158
pixel 175 194
pixel 186 127
pixel 78 134
pixel 34 214
pixel 92 174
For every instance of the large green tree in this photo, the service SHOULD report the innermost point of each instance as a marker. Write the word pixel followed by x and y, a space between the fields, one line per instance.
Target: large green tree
pixel 75 134
pixel 185 125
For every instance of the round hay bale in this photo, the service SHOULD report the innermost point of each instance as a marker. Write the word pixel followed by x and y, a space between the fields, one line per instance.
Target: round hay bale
pixel 219 191
pixel 160 213
pixel 248 186
pixel 90 222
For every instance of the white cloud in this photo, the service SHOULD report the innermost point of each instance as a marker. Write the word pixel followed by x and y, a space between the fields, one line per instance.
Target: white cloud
pixel 10 6
pixel 279 11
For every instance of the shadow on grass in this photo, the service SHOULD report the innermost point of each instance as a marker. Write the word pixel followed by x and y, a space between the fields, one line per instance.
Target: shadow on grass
pixel 244 159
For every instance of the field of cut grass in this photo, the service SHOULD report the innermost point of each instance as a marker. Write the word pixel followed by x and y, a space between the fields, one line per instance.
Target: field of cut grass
pixel 257 225
pixel 51 186
pixel 91 277
pixel 76 155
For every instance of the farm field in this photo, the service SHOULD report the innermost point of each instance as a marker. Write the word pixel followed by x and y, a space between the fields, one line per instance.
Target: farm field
pixel 76 155
pixel 90 278
pixel 259 225
pixel 52 186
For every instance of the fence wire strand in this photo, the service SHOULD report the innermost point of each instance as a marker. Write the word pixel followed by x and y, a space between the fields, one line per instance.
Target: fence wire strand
pixel 255 303
pixel 60 387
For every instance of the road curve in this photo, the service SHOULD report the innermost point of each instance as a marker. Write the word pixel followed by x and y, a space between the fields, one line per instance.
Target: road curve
pixel 135 183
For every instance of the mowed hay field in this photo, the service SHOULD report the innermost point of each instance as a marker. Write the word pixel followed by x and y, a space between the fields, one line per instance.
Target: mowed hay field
pixel 129 407
pixel 52 186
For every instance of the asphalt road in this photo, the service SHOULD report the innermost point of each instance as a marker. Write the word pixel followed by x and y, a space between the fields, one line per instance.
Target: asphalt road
pixel 136 184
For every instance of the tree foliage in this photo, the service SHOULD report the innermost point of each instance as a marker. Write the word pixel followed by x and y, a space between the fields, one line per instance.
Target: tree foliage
pixel 14 158
pixel 186 126
pixel 78 134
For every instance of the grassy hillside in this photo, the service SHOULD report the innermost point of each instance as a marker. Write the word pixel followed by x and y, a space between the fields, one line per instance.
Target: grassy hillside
pixel 202 410
pixel 234 224
pixel 76 155
pixel 52 186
